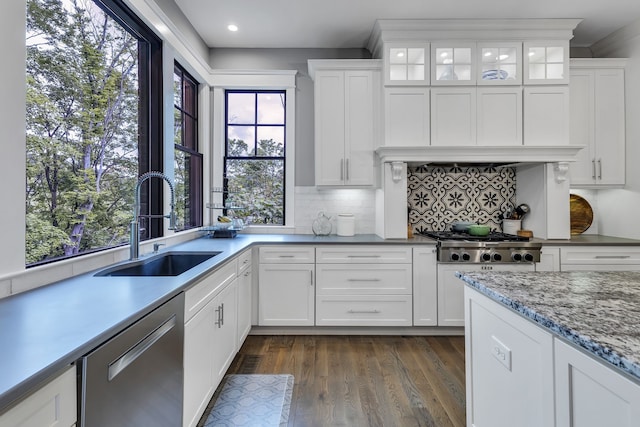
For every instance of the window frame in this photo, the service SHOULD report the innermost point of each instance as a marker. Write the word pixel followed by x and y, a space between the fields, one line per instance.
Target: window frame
pixel 150 122
pixel 193 149
pixel 254 80
pixel 256 125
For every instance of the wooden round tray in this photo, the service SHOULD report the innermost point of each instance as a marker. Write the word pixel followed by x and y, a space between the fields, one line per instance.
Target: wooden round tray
pixel 580 214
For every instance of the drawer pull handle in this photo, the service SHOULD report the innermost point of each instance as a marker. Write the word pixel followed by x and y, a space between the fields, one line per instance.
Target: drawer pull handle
pixel 363 280
pixel 363 256
pixel 374 311
pixel 286 256
pixel 612 256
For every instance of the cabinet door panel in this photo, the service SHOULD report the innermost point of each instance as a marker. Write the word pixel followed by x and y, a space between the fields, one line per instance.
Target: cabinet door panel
pixel 509 367
pixel 244 305
pixel 546 115
pixel 425 287
pixel 225 331
pixel 199 350
pixel 286 295
pixel 453 116
pixel 582 171
pixel 329 127
pixel 359 117
pixel 406 117
pixel 590 394
pixel 499 116
pixel 610 127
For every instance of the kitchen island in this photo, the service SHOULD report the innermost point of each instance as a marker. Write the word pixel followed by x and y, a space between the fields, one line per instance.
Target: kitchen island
pixel 552 348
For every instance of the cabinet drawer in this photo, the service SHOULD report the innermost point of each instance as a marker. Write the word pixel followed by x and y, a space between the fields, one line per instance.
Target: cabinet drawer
pixel 286 254
pixel 201 293
pixel 372 310
pixel 611 255
pixel 363 254
pixel 244 261
pixel 368 279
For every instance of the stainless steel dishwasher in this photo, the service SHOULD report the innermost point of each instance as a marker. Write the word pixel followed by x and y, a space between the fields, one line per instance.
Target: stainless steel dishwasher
pixel 135 378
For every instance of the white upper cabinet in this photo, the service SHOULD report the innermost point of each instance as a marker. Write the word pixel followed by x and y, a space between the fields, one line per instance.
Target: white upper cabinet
pixel 347 99
pixel 499 63
pixel 546 62
pixel 453 64
pixel 598 122
pixel 453 116
pixel 546 115
pixel 406 64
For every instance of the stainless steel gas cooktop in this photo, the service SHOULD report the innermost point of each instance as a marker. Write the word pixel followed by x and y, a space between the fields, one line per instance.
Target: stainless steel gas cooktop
pixel 458 247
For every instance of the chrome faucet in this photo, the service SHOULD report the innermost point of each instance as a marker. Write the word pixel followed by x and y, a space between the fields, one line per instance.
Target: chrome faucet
pixel 134 240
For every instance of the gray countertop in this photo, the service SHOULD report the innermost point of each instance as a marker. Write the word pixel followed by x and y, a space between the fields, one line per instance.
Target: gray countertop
pixel 44 330
pixel 590 240
pixel 597 311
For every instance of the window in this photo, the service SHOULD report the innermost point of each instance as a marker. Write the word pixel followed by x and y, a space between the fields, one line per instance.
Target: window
pixel 188 161
pixel 254 169
pixel 94 124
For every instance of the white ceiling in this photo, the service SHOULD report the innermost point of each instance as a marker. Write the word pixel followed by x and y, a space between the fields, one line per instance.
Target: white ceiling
pixel 348 23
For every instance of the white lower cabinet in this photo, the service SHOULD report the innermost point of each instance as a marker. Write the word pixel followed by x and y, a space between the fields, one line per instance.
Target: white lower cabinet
pixel 518 373
pixel 363 286
pixel 286 295
pixel 509 367
pixel 210 335
pixel 600 258
pixel 55 404
pixel 245 296
pixel 451 289
pixel 425 286
pixel 590 394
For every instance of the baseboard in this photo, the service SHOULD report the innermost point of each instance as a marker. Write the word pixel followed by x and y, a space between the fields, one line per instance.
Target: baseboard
pixel 351 330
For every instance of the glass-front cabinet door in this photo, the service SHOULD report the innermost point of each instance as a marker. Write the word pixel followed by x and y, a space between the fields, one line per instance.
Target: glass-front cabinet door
pixel 499 64
pixel 407 64
pixel 546 62
pixel 453 64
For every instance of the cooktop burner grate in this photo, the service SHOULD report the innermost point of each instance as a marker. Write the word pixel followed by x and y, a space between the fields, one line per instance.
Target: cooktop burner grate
pixel 494 236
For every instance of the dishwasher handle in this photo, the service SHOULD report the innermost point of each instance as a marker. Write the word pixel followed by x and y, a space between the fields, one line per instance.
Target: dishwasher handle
pixel 136 351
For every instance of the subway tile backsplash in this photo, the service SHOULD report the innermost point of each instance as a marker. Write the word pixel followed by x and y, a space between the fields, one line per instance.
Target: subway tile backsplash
pixel 440 195
pixel 311 200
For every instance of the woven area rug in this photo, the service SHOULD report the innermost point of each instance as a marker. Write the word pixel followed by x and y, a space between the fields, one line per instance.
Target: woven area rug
pixel 253 400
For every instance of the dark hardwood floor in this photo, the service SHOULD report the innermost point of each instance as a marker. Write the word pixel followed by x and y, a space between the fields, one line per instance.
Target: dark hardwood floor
pixel 364 380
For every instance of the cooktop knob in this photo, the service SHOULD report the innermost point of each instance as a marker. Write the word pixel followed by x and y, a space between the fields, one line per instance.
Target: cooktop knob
pixel 528 257
pixel 466 256
pixel 516 257
pixel 486 257
pixel 497 257
pixel 455 256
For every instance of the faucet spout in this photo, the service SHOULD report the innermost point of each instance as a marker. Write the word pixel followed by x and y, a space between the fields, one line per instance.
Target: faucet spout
pixel 134 241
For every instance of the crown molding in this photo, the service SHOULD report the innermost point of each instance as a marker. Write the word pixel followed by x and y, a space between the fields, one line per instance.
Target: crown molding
pixel 609 45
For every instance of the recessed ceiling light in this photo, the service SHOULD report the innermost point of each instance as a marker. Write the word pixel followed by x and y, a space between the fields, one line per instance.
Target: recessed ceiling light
pixel 232 27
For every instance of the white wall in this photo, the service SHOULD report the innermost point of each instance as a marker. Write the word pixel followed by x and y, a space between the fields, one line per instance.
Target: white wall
pixel 618 209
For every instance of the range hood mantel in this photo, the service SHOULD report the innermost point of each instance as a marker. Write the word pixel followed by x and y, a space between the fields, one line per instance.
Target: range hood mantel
pixel 480 154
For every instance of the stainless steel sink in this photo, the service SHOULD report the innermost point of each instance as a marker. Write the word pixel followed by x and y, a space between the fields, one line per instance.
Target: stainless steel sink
pixel 166 264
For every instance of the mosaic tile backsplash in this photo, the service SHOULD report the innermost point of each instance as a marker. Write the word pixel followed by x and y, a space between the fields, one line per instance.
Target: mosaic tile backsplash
pixel 439 195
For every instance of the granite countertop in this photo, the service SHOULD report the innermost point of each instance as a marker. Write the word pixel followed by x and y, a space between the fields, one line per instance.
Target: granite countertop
pixel 45 329
pixel 597 311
